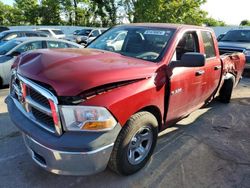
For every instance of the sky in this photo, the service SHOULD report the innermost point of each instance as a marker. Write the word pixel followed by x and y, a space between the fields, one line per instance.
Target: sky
pixel 230 11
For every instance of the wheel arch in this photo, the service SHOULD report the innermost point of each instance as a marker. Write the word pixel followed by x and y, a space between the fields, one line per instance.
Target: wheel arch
pixel 155 111
pixel 230 76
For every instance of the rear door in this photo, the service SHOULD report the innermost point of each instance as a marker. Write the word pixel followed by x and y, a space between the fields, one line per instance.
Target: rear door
pixel 187 85
pixel 213 63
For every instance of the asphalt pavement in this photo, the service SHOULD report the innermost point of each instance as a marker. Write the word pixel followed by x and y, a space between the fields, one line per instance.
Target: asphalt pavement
pixel 210 148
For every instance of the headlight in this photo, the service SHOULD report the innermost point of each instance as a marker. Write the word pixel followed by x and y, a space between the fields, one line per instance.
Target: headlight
pixel 86 118
pixel 247 52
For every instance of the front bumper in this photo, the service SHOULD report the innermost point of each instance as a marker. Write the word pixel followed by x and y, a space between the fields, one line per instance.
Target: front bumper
pixel 72 153
pixel 68 163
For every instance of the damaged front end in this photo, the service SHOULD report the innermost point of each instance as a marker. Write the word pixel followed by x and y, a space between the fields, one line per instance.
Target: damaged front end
pixel 90 93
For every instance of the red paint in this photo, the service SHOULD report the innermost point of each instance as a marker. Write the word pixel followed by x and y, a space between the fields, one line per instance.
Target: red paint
pixel 73 71
pixel 54 113
pixel 24 91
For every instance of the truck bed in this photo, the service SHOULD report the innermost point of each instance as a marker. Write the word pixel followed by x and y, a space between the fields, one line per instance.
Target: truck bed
pixel 233 63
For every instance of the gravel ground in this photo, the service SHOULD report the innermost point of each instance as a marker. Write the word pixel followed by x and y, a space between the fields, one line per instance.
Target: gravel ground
pixel 210 148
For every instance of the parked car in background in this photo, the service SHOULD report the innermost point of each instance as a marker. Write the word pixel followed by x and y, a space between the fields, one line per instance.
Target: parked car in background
pixel 11 49
pixel 236 41
pixel 3 28
pixel 52 32
pixel 76 32
pixel 220 36
pixel 12 34
pixel 85 36
pixel 115 42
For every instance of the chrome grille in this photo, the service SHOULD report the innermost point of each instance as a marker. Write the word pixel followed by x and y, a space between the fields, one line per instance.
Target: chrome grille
pixel 43 118
pixel 39 98
pixel 36 102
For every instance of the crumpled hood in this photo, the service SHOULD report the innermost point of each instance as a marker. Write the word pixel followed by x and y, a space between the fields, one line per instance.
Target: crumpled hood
pixel 236 45
pixel 72 71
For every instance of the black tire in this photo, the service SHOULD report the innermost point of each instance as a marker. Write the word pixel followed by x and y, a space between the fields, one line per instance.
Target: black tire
pixel 119 160
pixel 226 90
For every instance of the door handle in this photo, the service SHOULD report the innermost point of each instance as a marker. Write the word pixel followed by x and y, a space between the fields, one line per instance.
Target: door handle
pixel 217 67
pixel 199 72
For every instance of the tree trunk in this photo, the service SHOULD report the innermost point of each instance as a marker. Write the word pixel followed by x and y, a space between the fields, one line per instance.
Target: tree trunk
pixel 76 14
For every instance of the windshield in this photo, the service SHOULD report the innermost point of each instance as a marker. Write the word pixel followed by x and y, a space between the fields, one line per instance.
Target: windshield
pixel 84 32
pixel 5 48
pixel 139 42
pixel 236 36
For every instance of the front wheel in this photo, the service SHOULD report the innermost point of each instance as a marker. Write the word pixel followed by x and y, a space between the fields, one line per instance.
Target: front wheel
pixel 135 144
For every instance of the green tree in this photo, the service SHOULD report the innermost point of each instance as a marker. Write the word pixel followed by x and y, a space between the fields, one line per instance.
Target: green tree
pixel 168 11
pixel 29 10
pixel 10 15
pixel 245 23
pixel 129 7
pixel 78 11
pixel 213 22
pixel 3 10
pixel 104 12
pixel 50 12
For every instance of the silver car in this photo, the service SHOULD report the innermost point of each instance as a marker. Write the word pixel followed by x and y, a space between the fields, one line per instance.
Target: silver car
pixel 11 49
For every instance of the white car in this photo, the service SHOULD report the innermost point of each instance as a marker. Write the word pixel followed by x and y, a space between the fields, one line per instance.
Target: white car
pixel 52 32
pixel 85 36
pixel 11 49
pixel 115 44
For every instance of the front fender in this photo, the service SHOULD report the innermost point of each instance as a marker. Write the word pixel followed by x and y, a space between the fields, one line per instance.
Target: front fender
pixel 123 102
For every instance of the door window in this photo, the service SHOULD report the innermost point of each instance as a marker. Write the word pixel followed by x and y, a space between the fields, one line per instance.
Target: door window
pixel 47 32
pixel 11 36
pixel 55 44
pixel 30 46
pixel 208 44
pixel 72 46
pixel 188 43
pixel 31 34
pixel 95 33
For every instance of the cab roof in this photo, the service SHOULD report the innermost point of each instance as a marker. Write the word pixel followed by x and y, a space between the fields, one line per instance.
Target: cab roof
pixel 167 25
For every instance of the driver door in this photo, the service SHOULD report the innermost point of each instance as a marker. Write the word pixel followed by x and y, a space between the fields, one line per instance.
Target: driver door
pixel 187 84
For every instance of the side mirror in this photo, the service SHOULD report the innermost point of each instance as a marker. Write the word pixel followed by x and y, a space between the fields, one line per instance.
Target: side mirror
pixel 15 53
pixel 190 59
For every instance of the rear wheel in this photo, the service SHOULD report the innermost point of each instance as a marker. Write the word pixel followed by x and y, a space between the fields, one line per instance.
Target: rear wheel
pixel 226 90
pixel 135 144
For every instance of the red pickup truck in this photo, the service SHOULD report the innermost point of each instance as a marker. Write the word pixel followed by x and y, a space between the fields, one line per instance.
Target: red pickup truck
pixel 81 110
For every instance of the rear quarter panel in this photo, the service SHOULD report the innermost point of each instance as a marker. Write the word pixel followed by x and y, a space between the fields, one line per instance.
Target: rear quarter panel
pixel 234 64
